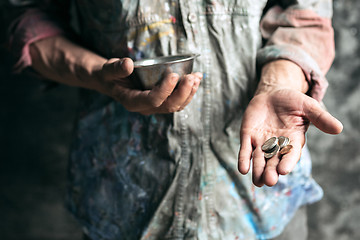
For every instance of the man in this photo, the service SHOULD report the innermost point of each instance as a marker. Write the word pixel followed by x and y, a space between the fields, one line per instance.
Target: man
pixel 162 163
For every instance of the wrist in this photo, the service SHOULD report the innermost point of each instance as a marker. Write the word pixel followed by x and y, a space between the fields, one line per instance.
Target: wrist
pixel 282 74
pixel 60 60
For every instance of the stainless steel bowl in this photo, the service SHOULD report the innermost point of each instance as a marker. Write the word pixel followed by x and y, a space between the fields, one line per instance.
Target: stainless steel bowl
pixel 151 71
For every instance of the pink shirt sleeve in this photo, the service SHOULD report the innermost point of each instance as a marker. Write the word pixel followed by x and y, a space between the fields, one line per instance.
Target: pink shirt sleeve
pixel 302 36
pixel 31 26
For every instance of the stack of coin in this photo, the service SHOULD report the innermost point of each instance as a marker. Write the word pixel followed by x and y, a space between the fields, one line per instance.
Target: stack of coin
pixel 274 145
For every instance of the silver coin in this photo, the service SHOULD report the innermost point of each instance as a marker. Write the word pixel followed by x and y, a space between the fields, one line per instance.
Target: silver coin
pixel 271 150
pixel 283 141
pixel 269 155
pixel 269 144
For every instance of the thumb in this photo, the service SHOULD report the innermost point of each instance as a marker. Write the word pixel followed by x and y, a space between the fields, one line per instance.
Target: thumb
pixel 321 118
pixel 118 68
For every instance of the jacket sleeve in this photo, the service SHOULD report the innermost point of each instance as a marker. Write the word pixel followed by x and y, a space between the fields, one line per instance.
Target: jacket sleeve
pixel 300 31
pixel 35 20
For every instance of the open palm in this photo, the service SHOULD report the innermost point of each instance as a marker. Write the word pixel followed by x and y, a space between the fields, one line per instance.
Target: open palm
pixel 283 112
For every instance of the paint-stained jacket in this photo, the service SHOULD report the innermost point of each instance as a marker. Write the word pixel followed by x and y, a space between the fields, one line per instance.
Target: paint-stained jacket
pixel 174 176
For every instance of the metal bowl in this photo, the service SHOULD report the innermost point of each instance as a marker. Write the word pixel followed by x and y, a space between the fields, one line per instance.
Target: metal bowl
pixel 151 71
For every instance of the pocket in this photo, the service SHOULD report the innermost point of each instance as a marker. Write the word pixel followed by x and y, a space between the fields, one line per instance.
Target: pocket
pixel 233 13
pixel 152 28
pixel 138 29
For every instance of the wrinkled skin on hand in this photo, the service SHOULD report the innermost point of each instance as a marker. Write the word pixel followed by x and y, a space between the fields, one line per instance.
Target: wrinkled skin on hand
pixel 163 98
pixel 281 112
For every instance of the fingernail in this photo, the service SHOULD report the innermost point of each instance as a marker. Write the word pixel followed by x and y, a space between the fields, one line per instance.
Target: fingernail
pixel 119 63
pixel 192 81
pixel 284 171
pixel 200 74
pixel 174 77
pixel 197 81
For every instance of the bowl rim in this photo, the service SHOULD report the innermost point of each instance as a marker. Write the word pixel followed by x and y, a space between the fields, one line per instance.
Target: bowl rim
pixel 183 58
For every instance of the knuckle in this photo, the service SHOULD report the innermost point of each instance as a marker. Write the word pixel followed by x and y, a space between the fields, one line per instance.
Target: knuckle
pixel 190 81
pixel 171 108
pixel 155 102
pixel 180 109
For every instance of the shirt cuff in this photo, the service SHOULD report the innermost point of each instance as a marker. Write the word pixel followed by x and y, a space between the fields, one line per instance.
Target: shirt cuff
pixel 317 81
pixel 31 26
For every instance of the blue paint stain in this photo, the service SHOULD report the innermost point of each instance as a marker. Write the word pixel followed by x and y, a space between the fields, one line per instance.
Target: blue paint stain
pixel 250 220
pixel 233 192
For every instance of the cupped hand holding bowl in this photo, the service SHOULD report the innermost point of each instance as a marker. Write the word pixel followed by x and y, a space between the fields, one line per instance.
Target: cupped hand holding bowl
pixel 166 95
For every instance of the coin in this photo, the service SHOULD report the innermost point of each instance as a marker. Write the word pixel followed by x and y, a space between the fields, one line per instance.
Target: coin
pixel 271 150
pixel 286 149
pixel 283 141
pixel 269 144
pixel 272 153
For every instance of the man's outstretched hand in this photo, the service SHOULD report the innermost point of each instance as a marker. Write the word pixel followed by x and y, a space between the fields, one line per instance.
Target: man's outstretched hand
pixel 279 112
pixel 58 59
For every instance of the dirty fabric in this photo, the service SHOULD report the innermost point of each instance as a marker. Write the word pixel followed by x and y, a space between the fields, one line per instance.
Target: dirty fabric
pixel 174 176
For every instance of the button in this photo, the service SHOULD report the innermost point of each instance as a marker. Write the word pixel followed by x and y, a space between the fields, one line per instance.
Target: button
pixel 192 17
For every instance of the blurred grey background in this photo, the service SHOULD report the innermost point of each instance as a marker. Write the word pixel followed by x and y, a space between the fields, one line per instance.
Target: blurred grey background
pixel 36 128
